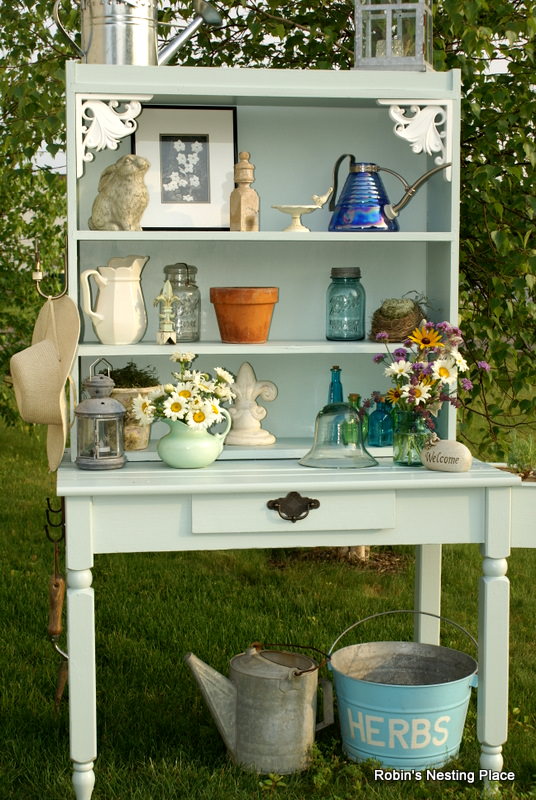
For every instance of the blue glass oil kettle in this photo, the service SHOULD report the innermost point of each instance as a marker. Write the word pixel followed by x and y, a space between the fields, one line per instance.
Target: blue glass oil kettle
pixel 363 204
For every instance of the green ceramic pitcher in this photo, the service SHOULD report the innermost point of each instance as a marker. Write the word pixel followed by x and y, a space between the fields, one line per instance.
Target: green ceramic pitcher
pixel 190 448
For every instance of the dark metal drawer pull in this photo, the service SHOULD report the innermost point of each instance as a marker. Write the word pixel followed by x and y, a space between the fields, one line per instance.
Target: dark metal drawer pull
pixel 293 507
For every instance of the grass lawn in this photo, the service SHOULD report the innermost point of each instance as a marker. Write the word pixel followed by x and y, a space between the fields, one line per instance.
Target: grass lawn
pixel 157 740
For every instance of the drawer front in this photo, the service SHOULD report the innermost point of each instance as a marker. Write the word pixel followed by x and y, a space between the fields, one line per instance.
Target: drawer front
pixel 249 513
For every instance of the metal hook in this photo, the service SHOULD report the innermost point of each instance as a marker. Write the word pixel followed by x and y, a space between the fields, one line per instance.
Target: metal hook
pixel 59 510
pixel 38 276
pixel 53 524
pixel 61 524
pixel 53 539
pixel 58 649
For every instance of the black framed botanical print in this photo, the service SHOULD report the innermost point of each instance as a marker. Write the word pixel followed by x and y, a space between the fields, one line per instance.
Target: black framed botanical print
pixel 192 153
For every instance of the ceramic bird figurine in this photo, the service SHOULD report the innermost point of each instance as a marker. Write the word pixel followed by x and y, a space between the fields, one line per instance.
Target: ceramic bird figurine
pixel 320 201
pixel 297 211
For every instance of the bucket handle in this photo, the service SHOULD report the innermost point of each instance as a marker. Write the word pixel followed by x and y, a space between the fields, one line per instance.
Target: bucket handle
pixel 402 611
pixel 328 713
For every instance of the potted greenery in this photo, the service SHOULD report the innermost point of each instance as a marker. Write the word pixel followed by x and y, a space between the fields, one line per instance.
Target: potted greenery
pixel 130 381
pixel 522 457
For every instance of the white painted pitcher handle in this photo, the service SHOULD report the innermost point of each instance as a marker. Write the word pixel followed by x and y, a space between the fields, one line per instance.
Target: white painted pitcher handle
pixel 228 425
pixel 86 294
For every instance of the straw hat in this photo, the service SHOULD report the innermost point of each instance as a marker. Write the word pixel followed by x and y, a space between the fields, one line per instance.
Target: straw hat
pixel 40 372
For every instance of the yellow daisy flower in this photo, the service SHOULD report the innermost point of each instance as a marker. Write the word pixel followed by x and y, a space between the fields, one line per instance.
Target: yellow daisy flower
pixel 394 395
pixel 445 371
pixel 174 407
pixel 426 338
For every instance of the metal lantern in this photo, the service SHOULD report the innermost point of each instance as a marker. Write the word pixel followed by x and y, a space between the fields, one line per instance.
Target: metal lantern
pixel 99 426
pixel 393 34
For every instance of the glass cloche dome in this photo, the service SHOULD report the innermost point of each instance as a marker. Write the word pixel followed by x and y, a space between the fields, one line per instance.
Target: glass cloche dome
pixel 338 440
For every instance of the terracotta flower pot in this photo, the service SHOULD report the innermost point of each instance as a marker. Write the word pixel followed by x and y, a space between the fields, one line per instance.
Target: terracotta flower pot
pixel 244 313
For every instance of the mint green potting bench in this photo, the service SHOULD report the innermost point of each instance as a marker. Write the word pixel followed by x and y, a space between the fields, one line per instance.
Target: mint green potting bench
pixel 295 124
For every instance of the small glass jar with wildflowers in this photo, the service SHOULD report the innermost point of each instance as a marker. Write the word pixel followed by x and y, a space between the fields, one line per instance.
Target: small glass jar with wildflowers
pixel 425 374
pixel 196 399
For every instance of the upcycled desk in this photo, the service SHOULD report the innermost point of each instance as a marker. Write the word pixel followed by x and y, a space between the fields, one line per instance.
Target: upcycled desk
pixel 147 507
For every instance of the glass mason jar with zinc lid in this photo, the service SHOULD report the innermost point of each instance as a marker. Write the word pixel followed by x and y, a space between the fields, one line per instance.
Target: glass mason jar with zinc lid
pixel 345 305
pixel 187 309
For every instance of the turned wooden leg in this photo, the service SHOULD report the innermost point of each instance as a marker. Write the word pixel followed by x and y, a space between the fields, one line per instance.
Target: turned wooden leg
pixel 493 638
pixel 493 667
pixel 83 780
pixel 82 696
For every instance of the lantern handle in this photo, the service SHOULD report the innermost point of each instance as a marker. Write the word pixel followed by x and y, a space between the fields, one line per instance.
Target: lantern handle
pixel 98 361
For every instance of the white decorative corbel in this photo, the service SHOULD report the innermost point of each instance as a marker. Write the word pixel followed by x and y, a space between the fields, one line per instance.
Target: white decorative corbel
pixel 428 129
pixel 101 121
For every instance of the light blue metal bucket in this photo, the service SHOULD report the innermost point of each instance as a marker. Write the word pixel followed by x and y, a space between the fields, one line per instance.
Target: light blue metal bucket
pixel 402 703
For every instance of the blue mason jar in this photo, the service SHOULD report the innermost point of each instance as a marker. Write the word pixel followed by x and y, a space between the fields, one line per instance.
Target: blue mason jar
pixel 345 305
pixel 381 425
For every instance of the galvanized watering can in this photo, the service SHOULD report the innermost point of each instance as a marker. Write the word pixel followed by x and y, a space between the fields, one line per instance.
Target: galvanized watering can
pixel 363 204
pixel 125 31
pixel 266 710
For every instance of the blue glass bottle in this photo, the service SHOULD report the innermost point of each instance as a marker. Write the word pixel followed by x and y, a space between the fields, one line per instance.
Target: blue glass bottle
pixel 345 305
pixel 335 386
pixel 380 432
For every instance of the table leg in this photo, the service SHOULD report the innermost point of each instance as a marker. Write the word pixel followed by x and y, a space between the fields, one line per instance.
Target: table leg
pixel 82 694
pixel 494 596
pixel 83 780
pixel 427 592
pixel 493 667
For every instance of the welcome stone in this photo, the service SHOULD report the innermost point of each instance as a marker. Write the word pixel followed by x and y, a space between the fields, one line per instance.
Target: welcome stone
pixel 446 456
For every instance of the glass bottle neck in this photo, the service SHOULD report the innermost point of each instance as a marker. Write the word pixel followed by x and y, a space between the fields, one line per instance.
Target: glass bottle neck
pixel 335 387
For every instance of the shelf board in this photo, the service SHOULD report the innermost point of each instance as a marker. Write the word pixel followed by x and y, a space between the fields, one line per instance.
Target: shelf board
pixel 287 448
pixel 263 86
pixel 272 237
pixel 144 349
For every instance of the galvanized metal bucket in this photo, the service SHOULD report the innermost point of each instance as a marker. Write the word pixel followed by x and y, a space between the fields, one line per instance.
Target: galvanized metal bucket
pixel 402 703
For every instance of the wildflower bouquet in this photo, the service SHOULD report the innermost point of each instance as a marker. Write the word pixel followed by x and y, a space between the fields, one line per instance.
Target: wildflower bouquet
pixel 195 399
pixel 425 370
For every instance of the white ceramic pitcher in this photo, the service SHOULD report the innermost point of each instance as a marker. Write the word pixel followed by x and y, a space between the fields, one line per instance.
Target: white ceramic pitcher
pixel 119 316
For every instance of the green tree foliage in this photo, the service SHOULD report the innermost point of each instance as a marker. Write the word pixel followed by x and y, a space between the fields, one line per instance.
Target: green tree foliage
pixel 497 214
pixel 32 198
pixel 498 260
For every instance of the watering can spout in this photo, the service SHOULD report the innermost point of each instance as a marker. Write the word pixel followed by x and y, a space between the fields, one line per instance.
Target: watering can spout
pixel 206 14
pixel 391 211
pixel 220 696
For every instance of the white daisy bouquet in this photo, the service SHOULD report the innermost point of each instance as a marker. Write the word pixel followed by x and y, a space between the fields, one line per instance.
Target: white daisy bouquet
pixel 425 369
pixel 195 399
